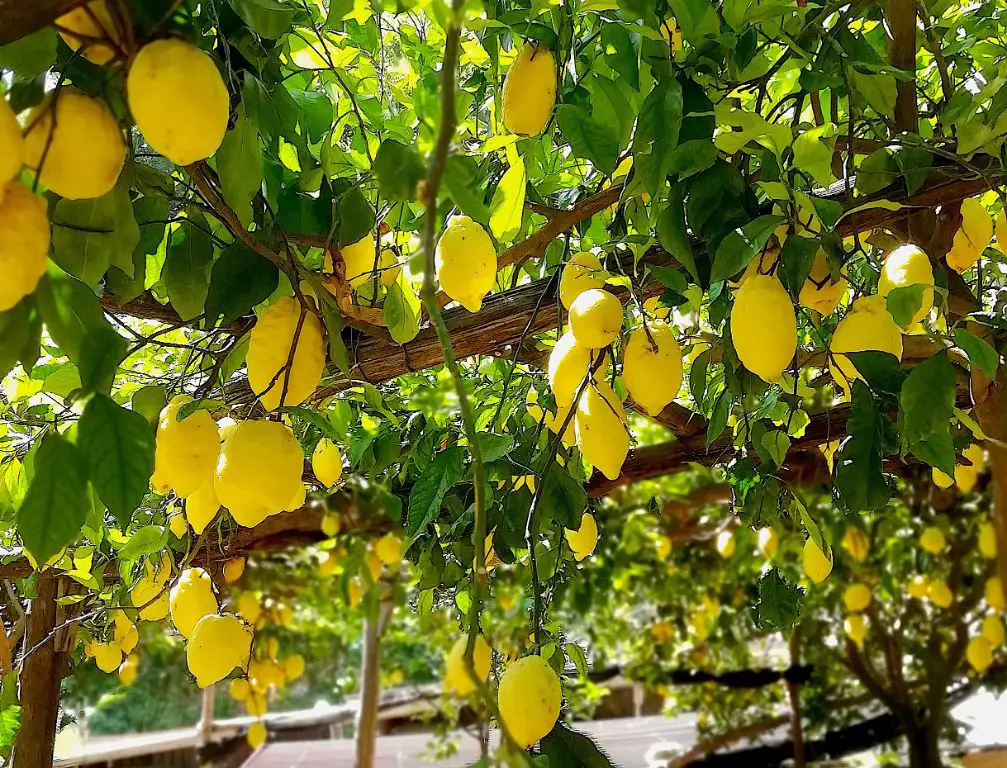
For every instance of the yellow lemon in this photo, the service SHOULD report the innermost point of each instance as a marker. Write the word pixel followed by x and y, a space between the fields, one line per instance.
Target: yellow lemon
pixel 932 540
pixel 238 689
pixel 988 540
pixel 940 594
pixel 108 657
pixel 652 367
pixel 817 566
pixel 993 630
pixel 359 262
pixel 725 544
pixel 125 634
pixel 456 673
pixel 217 645
pixel 186 451
pixel 857 597
pixel 293 667
pixel 12 149
pixel 150 593
pixel 994 592
pixel 595 318
pixel 233 569
pixel 581 273
pixel 867 326
pixel 178 525
pixel 331 523
pixel 24 243
pixel 257 734
pixel 979 653
pixel 905 266
pixel 178 99
pixel 191 599
pixel 601 429
pixel 769 542
pixel 389 549
pixel 856 544
pixel 529 90
pixel 584 539
pixel 249 607
pixel 276 372
pixel 940 479
pixel 1001 230
pixel 93 28
pixel 128 670
pixel 57 133
pixel 820 292
pixel 856 628
pixel 966 475
pixel 201 507
pixel 529 699
pixel 919 586
pixel 569 363
pixel 973 236
pixel 259 471
pixel 764 327
pixel 327 464
pixel 354 592
pixel 466 262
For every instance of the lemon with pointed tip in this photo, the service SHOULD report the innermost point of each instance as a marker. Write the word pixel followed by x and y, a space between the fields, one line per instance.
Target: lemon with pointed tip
pixel 932 540
pixel 249 607
pixel 906 266
pixel 973 236
pixel 191 599
pixel 12 149
pixel 218 644
pixel 201 507
pixel 600 427
pixel 529 90
pixel 725 544
pixel 257 734
pixel 856 628
pixel 178 525
pixel 817 566
pixel 456 673
pixel 388 549
pixel 987 540
pixel 278 371
pixel 178 99
pixel 856 544
pixel 581 273
pixel 108 657
pixel 993 630
pixel 238 689
pixel 569 363
pixel 919 586
pixel 24 242
pixel 125 634
pixel 327 464
pixel 595 318
pixel 867 327
pixel 259 471
pixel 92 30
pixel 769 542
pixel 233 569
pixel 857 597
pixel 764 327
pixel 466 262
pixel 821 292
pixel 129 669
pixel 529 698
pixel 979 653
pixel 58 130
pixel 584 539
pixel 186 451
pixel 652 367
pixel 940 594
pixel 994 593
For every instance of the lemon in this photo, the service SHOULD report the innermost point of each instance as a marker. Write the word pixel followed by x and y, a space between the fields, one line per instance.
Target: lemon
pixel 217 645
pixel 584 539
pixel 466 262
pixel 979 653
pixel 867 326
pixel 857 597
pixel 529 90
pixel 178 99
pixel 201 507
pixel 973 236
pixel 354 592
pixel 966 475
pixel 994 593
pixel 374 564
pixel 259 471
pixel 769 542
pixel 191 599
pixel 108 657
pixel 456 673
pixel 327 464
pixel 817 566
pixel 150 594
pixel 186 451
pixel 856 544
pixel 1001 230
pixel 764 264
pixel 581 273
pixel 233 569
pixel 601 430
pixel 652 367
pixel 595 318
pixel 940 594
pixel 940 479
pixel 238 689
pixel 12 149
pixel 855 628
pixel 249 607
pixel 293 667
pixel 993 630
pixel 256 704
pixel 820 292
pixel 932 540
pixel 24 243
pixel 327 565
pixel 529 699
pixel 96 31
pixel 358 263
pixel 905 266
pixel 919 586
pixel 178 525
pixel 725 544
pixel 53 148
pixel 389 549
pixel 124 634
pixel 987 540
pixel 555 423
pixel 128 670
pixel 764 327
pixel 569 363
pixel 257 734
pixel 331 524
pixel 275 374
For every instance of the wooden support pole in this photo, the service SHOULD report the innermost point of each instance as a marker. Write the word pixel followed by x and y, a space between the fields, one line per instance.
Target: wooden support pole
pixel 796 710
pixel 370 682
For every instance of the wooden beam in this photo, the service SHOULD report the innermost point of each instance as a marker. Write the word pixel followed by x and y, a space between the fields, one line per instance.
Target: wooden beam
pixel 19 18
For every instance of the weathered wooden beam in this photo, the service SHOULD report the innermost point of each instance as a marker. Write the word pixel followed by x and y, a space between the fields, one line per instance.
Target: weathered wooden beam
pixel 19 18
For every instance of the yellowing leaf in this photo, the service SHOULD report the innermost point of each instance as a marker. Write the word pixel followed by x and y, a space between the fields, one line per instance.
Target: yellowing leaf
pixel 507 206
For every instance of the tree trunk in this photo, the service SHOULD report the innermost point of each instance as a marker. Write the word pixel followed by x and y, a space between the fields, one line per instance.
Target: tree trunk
pixel 796 711
pixel 924 750
pixel 991 412
pixel 41 672
pixel 370 684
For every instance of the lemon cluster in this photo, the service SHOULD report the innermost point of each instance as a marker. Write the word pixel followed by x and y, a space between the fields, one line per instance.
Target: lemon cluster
pixel 116 654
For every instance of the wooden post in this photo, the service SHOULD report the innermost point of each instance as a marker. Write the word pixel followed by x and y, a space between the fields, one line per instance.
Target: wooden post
pixel 796 711
pixel 206 716
pixel 370 682
pixel 41 672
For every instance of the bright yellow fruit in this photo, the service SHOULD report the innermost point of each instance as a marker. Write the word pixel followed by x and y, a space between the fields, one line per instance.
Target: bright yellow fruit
pixel 150 593
pixel 867 326
pixel 973 236
pixel 764 327
pixel 988 540
pixel 819 292
pixel 940 594
pixel 389 549
pixel 940 479
pixel 57 146
pixel 769 542
pixel 905 266
pixel 374 565
pixel 233 569
pixel 1001 230
pixel 919 586
pixel 358 261
pixel 652 367
pixel 24 242
pixel 595 318
pixel 764 264
pixel 257 734
pixel 600 426
pixel 249 607
pixel 725 544
pixel 817 566
pixel 856 628
pixel 191 599
pixel 529 91
pixel 456 673
pixel 966 475
pixel 269 353
pixel 581 273
pixel 529 698
pixel 994 592
pixel 293 667
pixel 186 451
pixel 331 523
pixel 12 149
pixel 128 670
pixel 466 262
pixel 108 657
pixel 178 99
pixel 217 645
pixel 857 597
pixel 354 592
pixel 569 363
pixel 178 525
pixel 993 630
pixel 259 471
pixel 96 31
pixel 327 464
pixel 932 540
pixel 238 689
pixel 201 507
pixel 979 653
pixel 856 544
pixel 584 539
pixel 124 634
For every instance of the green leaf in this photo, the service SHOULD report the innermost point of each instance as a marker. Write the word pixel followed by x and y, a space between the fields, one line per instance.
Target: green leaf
pixel 118 446
pixel 926 405
pixel 427 494
pixel 186 270
pixel 796 259
pixel 32 55
pixel 239 165
pixel 980 353
pixel 621 53
pixel 355 216
pixel 56 505
pixel 69 310
pixel 10 725
pixel 240 280
pixel 813 151
pixel 101 351
pixel 860 481
pixel 401 310
pixel 507 206
pixel 20 331
pixel 577 657
pixel 269 18
pixel 149 401
pixel 881 370
pixel 399 169
pixel 878 91
pixel 566 748
pixel 494 446
pixel 740 247
pixel 779 604
pixel 463 183
pixel 904 302
pixel 776 444
pixel 697 18
pixel 563 499
pixel 656 136
pixel 146 541
pixel 672 232
pixel 589 139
